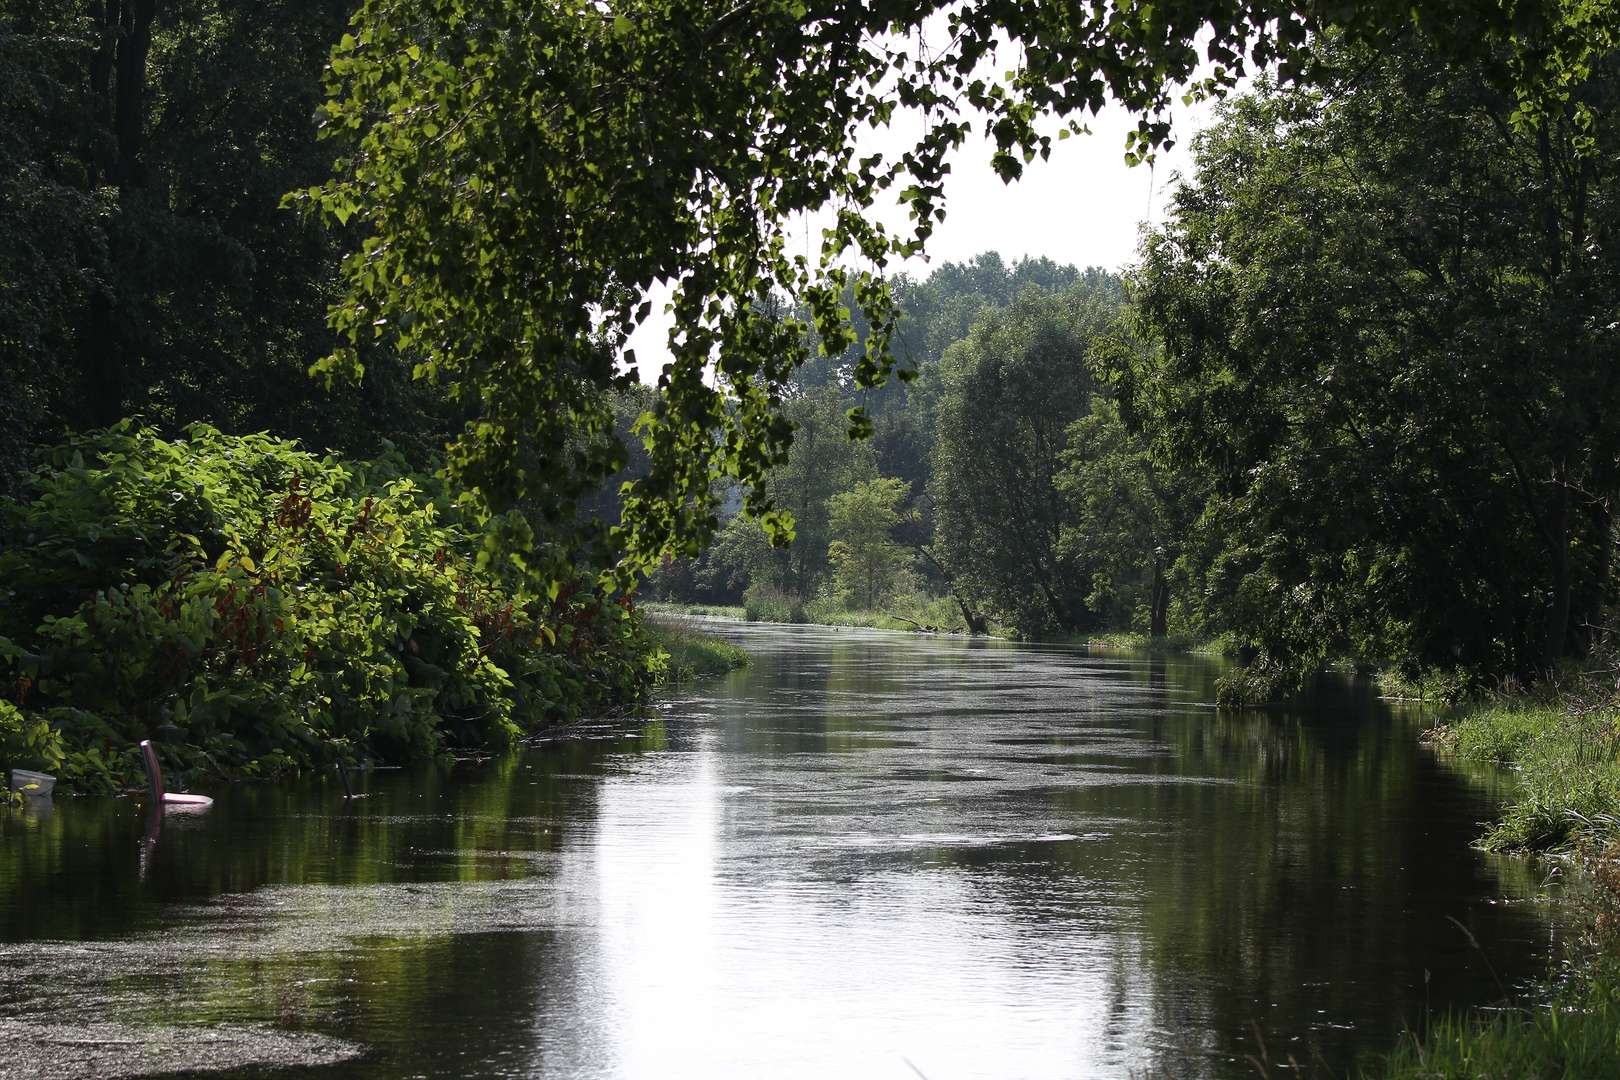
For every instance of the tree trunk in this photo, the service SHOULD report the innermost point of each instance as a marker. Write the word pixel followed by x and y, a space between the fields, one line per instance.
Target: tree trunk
pixel 105 16
pixel 134 43
pixel 104 370
pixel 977 623
pixel 1510 630
pixel 1604 565
pixel 1158 601
pixel 1562 577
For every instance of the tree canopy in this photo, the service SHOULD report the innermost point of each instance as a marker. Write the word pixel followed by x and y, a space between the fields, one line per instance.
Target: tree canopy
pixel 1012 389
pixel 146 267
pixel 1388 327
pixel 523 173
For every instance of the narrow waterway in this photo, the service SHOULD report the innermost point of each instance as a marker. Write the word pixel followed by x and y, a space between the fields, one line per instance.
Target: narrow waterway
pixel 868 854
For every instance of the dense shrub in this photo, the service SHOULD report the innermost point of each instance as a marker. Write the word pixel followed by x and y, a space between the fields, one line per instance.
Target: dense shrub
pixel 253 608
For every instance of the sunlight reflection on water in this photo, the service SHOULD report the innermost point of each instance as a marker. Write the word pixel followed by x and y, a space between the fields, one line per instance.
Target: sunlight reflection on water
pixel 867 855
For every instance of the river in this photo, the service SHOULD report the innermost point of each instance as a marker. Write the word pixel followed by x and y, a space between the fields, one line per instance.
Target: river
pixel 868 854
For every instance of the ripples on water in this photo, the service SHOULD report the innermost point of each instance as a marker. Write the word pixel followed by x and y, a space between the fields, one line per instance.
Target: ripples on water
pixel 867 855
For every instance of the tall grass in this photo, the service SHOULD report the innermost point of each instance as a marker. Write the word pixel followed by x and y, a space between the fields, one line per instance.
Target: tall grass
pixel 1554 1043
pixel 1566 759
pixel 1573 1035
pixel 914 611
pixel 1562 742
pixel 1168 643
pixel 692 653
pixel 662 607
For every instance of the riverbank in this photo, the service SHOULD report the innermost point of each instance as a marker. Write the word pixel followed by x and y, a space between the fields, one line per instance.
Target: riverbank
pixel 1572 1032
pixel 690 653
pixel 1178 644
pixel 256 610
pixel 1565 753
pixel 938 615
pixel 1561 743
pixel 916 613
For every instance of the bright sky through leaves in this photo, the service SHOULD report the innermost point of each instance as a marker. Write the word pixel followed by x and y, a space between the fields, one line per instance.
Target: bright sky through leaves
pixel 1084 206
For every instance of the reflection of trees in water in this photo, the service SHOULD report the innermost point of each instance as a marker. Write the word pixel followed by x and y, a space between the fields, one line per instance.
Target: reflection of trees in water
pixel 1310 893
pixel 73 871
pixel 390 935
pixel 1293 867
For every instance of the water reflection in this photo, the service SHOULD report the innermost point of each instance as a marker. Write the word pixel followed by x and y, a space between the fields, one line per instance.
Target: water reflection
pixel 866 855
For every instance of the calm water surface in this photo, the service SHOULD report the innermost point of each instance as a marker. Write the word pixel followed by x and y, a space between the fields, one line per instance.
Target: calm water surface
pixel 867 855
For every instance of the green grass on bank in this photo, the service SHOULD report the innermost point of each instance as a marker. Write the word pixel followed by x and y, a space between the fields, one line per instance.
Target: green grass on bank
pixel 662 608
pixel 692 653
pixel 1566 760
pixel 1551 1043
pixel 1169 643
pixel 1572 1033
pixel 1562 744
pixel 915 612
pixel 938 614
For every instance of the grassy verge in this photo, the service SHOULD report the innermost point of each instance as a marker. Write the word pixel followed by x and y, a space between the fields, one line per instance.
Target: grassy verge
pixel 1562 744
pixel 1574 1034
pixel 661 608
pixel 926 613
pixel 1544 1044
pixel 935 614
pixel 1169 643
pixel 1567 761
pixel 692 653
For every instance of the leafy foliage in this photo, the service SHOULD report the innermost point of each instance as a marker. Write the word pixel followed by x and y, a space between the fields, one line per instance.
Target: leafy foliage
pixel 50 236
pixel 253 608
pixel 524 173
pixel 146 267
pixel 1013 388
pixel 865 558
pixel 1387 324
pixel 1567 759
pixel 691 653
pixel 1130 515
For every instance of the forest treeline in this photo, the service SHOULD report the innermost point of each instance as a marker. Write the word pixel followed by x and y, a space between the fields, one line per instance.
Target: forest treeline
pixel 147 269
pixel 1355 400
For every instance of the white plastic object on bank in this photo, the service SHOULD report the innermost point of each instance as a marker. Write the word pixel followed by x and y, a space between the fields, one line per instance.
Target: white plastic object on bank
pixel 154 777
pixel 28 782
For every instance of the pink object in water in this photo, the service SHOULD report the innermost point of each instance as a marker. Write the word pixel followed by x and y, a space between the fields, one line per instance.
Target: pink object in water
pixel 154 778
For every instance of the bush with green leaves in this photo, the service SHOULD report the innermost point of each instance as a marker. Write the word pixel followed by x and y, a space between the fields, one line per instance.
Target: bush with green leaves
pixel 254 609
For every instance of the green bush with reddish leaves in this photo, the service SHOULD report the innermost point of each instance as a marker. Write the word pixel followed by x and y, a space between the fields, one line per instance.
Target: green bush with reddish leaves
pixel 255 609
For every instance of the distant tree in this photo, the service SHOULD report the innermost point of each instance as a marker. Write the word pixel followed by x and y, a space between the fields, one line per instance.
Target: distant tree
pixel 824 462
pixel 865 557
pixel 741 557
pixel 941 309
pixel 522 174
pixel 1011 391
pixel 1129 518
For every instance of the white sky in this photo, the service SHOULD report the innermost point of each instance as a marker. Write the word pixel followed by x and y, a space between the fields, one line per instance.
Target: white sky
pixel 1083 206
